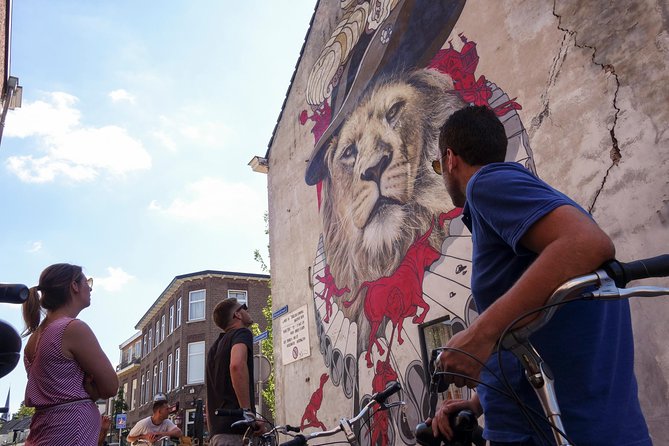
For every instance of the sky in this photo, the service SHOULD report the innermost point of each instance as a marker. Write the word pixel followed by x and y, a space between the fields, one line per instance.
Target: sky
pixel 129 153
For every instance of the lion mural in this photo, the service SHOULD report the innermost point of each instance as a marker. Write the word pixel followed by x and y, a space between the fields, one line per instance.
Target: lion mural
pixel 380 193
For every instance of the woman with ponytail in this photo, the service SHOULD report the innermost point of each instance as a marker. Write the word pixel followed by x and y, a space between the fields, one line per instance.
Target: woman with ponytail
pixel 67 369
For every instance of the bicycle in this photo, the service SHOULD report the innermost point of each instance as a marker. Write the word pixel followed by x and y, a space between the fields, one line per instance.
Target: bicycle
pixel 346 425
pixel 165 440
pixel 606 283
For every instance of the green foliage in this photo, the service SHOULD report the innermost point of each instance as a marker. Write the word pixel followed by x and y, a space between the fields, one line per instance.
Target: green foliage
pixel 267 350
pixel 24 411
pixel 266 345
pixel 118 404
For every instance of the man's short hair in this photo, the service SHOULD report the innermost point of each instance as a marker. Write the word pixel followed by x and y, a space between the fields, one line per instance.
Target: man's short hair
pixel 475 134
pixel 224 311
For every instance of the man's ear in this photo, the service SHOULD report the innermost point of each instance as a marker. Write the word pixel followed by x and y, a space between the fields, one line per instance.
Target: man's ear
pixel 451 160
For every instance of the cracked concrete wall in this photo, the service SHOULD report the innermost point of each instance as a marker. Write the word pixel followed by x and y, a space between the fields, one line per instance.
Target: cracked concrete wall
pixel 592 78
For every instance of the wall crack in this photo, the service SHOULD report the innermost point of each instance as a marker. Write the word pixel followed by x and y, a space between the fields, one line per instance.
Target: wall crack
pixel 614 154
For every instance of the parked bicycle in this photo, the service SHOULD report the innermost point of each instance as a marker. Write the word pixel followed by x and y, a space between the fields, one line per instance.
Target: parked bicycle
pixel 607 283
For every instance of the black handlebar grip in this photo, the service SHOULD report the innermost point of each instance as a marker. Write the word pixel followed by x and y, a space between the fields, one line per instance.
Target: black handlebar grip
pixel 13 293
pixel 299 440
pixel 239 413
pixel 290 428
pixel 623 273
pixel 383 395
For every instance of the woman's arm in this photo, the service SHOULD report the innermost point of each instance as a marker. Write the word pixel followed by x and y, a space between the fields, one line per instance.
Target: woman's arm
pixel 80 343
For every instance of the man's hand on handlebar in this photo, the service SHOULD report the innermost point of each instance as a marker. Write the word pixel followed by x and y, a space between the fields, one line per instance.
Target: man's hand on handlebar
pixel 471 341
pixel 440 424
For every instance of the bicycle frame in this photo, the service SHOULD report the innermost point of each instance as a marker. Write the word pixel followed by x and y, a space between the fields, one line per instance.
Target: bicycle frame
pixel 536 370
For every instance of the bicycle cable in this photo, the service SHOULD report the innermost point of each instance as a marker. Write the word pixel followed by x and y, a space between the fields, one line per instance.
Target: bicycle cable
pixel 503 373
pixel 521 404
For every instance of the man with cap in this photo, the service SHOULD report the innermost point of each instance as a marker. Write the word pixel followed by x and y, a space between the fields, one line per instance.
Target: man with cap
pixel 229 371
pixel 157 425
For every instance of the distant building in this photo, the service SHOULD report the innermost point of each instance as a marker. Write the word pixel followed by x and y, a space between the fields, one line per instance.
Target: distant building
pixel 15 430
pixel 167 354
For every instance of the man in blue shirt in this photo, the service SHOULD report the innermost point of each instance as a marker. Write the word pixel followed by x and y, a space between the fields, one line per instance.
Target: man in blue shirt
pixel 528 238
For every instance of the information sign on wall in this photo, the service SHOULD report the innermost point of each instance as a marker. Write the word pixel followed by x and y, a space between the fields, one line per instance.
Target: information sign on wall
pixel 294 336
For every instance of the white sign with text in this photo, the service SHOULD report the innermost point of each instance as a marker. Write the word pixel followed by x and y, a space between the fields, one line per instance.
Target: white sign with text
pixel 295 336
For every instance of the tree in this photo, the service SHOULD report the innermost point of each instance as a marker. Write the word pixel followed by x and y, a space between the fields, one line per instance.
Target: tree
pixel 24 411
pixel 118 404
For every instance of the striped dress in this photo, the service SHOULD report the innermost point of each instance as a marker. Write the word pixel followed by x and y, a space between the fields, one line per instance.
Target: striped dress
pixel 65 414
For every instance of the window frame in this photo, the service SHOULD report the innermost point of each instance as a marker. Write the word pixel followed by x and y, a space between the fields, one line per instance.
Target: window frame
pixel 234 293
pixel 171 320
pixel 190 380
pixel 155 380
pixel 169 372
pixel 177 375
pixel 203 302
pixel 178 324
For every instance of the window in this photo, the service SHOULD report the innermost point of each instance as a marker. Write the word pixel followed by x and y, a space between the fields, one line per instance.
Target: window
pixel 176 367
pixel 157 333
pixel 435 334
pixel 171 319
pixel 196 305
pixel 148 386
pixel 132 394
pixel 145 351
pixel 155 379
pixel 150 339
pixel 162 328
pixel 195 368
pixel 169 372
pixel 160 378
pixel 240 295
pixel 141 391
pixel 178 312
pixel 138 349
pixel 190 423
pixel 125 391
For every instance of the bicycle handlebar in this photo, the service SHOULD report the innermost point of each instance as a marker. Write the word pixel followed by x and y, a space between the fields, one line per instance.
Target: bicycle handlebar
pixel 612 275
pixel 623 273
pixel 345 424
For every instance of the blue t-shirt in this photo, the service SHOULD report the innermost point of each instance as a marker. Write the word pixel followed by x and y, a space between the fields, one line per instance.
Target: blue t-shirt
pixel 588 345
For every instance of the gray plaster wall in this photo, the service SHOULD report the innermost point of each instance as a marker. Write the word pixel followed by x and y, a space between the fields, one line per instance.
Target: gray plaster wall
pixel 592 78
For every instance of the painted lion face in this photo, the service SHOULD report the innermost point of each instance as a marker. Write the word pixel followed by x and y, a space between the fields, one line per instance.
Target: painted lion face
pixel 380 192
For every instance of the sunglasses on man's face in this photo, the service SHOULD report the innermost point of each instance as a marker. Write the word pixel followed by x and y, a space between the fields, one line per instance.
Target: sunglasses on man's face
pixel 243 307
pixel 436 166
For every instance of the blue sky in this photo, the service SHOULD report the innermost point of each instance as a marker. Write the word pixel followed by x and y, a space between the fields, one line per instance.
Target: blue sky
pixel 129 153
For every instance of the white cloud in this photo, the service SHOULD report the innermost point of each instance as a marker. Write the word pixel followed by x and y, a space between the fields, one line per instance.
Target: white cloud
pixel 35 246
pixel 189 128
pixel 121 95
pixel 71 150
pixel 114 281
pixel 214 201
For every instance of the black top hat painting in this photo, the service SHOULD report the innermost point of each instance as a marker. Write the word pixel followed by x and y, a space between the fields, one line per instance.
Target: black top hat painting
pixel 410 35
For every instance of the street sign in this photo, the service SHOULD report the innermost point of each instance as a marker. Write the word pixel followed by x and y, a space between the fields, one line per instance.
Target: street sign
pixel 121 420
pixel 280 312
pixel 261 336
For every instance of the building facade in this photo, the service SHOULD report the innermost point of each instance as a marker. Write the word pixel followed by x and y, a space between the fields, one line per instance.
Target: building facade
pixel 366 245
pixel 167 354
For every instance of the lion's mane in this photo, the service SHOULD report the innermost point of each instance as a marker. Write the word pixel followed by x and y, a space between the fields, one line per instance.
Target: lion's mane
pixel 380 192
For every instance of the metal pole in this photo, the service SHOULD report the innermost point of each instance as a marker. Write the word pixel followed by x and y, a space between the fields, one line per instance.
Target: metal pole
pixel 260 383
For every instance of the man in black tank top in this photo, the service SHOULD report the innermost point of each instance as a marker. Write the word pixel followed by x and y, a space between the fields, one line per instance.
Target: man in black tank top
pixel 229 372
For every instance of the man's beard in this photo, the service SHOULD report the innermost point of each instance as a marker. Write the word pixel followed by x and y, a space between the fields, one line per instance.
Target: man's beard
pixel 454 191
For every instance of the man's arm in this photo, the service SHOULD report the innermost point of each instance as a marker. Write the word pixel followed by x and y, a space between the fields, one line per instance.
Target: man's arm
pixel 172 430
pixel 239 374
pixel 569 244
pixel 136 433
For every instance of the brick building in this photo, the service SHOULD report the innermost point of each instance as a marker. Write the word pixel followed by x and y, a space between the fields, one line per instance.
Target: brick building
pixel 167 354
